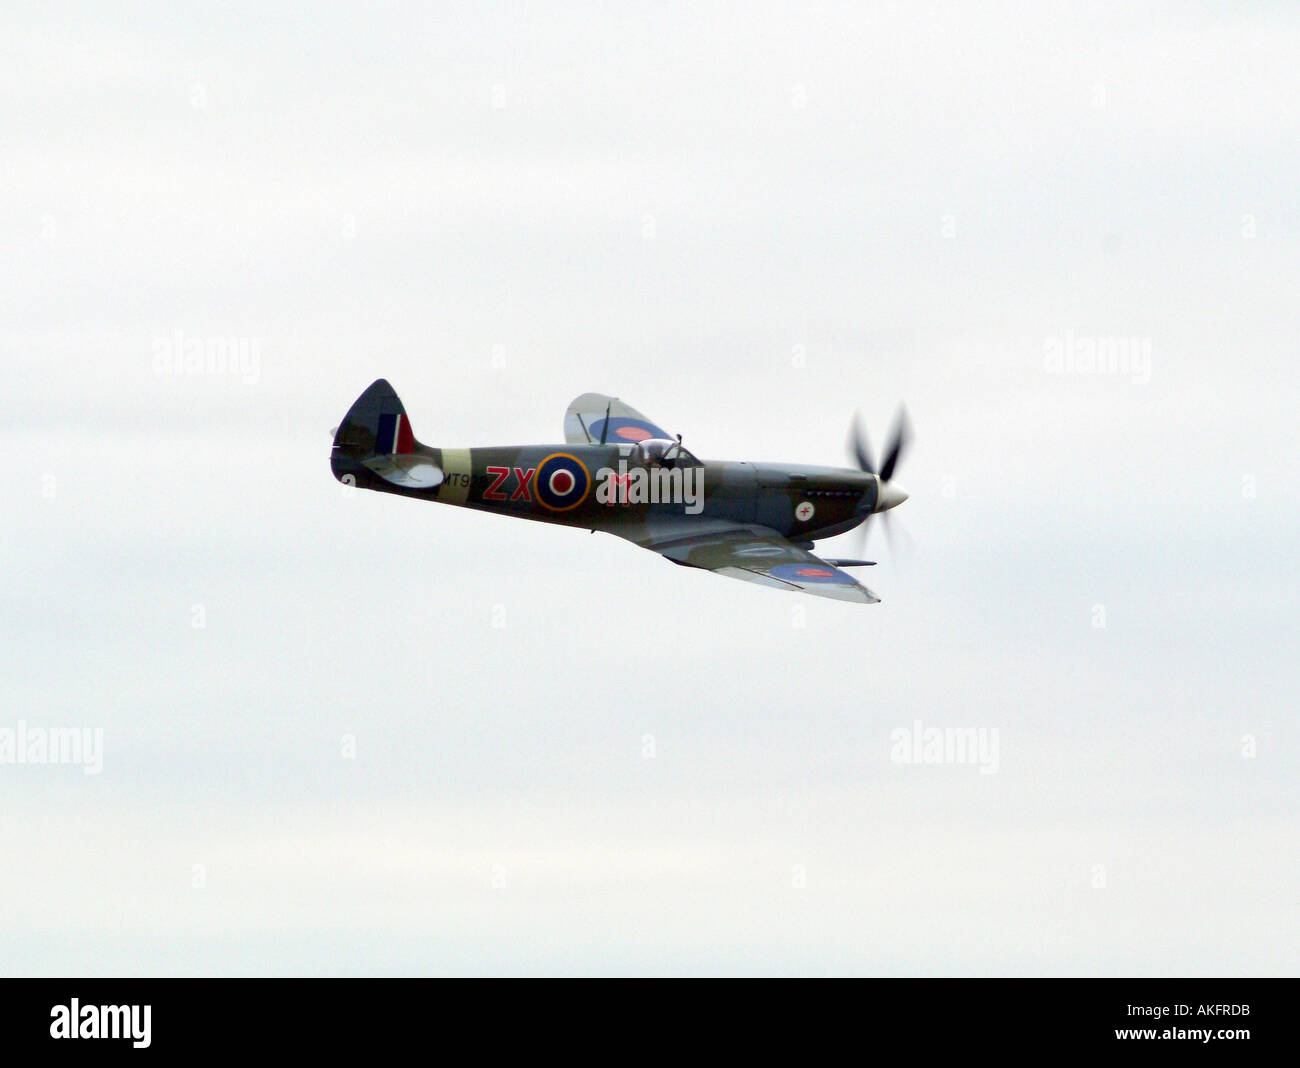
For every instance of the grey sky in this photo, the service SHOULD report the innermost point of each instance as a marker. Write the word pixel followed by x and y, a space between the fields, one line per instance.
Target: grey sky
pixel 747 222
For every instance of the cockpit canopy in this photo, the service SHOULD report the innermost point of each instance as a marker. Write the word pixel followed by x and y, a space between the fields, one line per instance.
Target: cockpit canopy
pixel 662 452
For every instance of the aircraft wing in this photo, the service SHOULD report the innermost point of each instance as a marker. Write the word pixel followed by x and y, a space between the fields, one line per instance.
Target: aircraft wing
pixel 584 422
pixel 750 552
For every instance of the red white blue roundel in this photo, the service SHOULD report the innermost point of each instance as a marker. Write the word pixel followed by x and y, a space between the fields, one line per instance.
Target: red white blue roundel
pixel 623 429
pixel 561 482
pixel 810 574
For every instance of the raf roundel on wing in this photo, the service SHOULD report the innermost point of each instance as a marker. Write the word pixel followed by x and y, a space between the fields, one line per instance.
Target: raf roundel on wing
pixel 806 573
pixel 624 429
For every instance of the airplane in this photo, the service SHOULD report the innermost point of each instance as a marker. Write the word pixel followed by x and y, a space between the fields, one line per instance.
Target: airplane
pixel 620 473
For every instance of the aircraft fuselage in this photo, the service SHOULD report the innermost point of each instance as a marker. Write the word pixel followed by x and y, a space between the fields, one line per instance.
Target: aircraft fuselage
pixel 563 484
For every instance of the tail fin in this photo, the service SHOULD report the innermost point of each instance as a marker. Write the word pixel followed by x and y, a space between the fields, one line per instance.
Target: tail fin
pixel 376 439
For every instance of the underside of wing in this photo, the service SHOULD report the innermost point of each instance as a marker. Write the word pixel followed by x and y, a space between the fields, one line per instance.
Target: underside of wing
pixel 585 422
pixel 749 552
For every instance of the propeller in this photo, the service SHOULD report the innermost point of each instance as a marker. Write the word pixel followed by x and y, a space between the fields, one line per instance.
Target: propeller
pixel 890 495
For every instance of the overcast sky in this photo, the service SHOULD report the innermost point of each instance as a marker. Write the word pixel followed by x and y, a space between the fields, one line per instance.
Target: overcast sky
pixel 367 735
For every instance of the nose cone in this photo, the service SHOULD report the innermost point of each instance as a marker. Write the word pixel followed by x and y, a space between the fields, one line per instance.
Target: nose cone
pixel 891 495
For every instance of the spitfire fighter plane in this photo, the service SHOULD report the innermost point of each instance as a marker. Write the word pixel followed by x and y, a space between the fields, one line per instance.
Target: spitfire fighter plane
pixel 621 473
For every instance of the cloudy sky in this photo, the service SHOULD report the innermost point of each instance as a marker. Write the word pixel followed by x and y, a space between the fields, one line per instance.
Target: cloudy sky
pixel 364 735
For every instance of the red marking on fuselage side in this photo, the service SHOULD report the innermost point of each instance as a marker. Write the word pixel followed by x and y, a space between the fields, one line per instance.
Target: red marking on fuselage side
pixel 561 482
pixel 492 493
pixel 522 478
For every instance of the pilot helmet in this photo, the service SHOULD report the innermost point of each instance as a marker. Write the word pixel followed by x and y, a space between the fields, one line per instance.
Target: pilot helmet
pixel 652 451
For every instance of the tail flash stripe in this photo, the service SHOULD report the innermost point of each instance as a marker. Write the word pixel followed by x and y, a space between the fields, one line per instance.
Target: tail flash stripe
pixel 405 436
pixel 394 435
pixel 386 435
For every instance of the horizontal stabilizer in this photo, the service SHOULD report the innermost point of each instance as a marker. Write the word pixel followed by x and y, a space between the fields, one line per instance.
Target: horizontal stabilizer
pixel 414 472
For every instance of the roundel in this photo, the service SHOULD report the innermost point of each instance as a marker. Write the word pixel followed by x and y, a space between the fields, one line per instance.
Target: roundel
pixel 810 574
pixel 624 428
pixel 561 482
pixel 804 511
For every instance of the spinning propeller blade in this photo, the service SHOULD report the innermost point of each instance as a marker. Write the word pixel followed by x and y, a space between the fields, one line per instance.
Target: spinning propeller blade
pixel 888 495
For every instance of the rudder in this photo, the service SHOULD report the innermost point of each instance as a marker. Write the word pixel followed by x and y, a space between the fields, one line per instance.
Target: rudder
pixel 376 439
